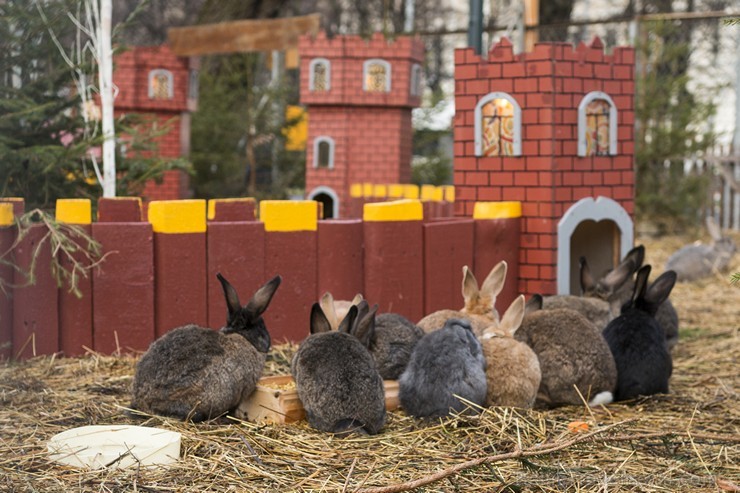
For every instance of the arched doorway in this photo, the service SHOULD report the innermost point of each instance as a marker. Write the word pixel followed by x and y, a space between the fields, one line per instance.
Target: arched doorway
pixel 601 230
pixel 329 200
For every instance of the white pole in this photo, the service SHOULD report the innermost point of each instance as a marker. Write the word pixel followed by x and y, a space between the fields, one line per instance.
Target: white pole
pixel 105 67
pixel 408 23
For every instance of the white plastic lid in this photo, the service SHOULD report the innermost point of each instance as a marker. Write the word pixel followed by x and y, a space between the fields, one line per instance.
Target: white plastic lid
pixel 115 446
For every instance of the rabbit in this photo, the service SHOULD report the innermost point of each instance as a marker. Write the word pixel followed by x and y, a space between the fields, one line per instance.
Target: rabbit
pixel 446 369
pixel 513 370
pixel 479 308
pixel 196 373
pixel 617 289
pixel 694 262
pixel 336 310
pixel 572 353
pixel 392 341
pixel 597 311
pixel 336 377
pixel 637 341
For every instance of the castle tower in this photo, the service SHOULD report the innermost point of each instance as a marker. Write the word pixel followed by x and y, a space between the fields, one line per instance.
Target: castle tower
pixel 553 129
pixel 359 94
pixel 163 87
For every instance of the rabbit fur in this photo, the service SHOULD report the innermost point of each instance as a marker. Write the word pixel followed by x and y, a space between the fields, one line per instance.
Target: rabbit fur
pixel 571 352
pixel 336 310
pixel 694 262
pixel 196 373
pixel 637 341
pixel 479 304
pixel 392 342
pixel 617 289
pixel 513 370
pixel 446 366
pixel 336 377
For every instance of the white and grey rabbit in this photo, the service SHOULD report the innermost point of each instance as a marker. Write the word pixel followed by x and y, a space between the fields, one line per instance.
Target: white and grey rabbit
pixel 336 377
pixel 616 292
pixel 336 310
pixel 446 369
pixel 479 304
pixel 636 340
pixel 694 262
pixel 196 373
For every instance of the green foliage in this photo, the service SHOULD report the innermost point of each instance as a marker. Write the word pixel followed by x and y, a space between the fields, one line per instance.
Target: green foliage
pixel 432 145
pixel 671 125
pixel 44 148
pixel 735 279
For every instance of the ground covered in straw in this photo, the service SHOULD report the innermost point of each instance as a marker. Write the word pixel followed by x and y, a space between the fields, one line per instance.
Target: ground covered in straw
pixel 688 440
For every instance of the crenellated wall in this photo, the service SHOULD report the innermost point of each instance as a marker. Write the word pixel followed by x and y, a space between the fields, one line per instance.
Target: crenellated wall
pixel 549 176
pixel 161 273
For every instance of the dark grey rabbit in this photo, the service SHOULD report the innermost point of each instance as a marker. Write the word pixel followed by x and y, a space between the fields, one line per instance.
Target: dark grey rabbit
pixel 616 287
pixel 392 343
pixel 446 365
pixel 336 377
pixel 196 373
pixel 637 341
pixel 694 262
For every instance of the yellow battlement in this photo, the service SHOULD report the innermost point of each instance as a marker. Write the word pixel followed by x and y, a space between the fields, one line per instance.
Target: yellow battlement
pixel 289 215
pixel 398 210
pixel 178 216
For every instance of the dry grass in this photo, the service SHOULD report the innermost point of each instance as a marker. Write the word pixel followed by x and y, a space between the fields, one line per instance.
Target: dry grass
pixel 688 440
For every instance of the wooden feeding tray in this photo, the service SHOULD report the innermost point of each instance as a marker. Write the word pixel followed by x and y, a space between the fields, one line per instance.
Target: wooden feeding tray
pixel 275 400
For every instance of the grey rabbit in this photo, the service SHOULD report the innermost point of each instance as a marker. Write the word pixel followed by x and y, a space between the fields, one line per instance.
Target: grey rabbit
pixel 616 289
pixel 694 262
pixel 196 373
pixel 447 365
pixel 392 343
pixel 637 342
pixel 336 377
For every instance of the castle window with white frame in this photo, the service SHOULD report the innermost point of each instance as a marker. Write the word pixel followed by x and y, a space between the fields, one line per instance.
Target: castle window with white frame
pixel 498 126
pixel 323 152
pixel 376 75
pixel 597 125
pixel 161 84
pixel 319 75
pixel 416 78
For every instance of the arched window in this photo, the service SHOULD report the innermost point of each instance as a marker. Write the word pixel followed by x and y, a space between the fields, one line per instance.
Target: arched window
pixel 161 85
pixel 498 124
pixel 319 75
pixel 376 75
pixel 597 125
pixel 323 152
pixel 416 73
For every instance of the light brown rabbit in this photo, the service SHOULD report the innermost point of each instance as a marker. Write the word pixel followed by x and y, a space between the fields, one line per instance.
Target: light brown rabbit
pixel 513 371
pixel 336 310
pixel 479 308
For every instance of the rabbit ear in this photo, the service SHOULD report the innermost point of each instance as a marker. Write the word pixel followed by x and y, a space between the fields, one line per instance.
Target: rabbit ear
pixel 636 257
pixel 661 288
pixel 364 328
pixel 261 299
pixel 614 279
pixel 714 230
pixel 319 322
pixel 356 300
pixel 513 317
pixel 327 305
pixel 533 304
pixel 470 290
pixel 495 280
pixel 349 320
pixel 587 280
pixel 232 298
pixel 641 282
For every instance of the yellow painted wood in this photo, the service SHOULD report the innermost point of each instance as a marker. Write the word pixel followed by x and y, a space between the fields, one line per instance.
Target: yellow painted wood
pixel 74 211
pixel 380 191
pixel 398 210
pixel 396 190
pixel 449 193
pixel 355 190
pixel 178 216
pixel 497 210
pixel 410 192
pixel 289 215
pixel 6 214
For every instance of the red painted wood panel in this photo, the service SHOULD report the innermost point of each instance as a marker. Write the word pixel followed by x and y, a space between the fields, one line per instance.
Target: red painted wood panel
pixel 7 237
pixel 340 258
pixel 123 289
pixel 496 240
pixel 75 314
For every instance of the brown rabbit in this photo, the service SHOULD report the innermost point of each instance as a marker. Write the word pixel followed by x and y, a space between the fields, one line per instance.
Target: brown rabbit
pixel 196 373
pixel 336 310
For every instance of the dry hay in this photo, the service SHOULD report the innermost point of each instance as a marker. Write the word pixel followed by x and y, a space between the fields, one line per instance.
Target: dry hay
pixel 688 440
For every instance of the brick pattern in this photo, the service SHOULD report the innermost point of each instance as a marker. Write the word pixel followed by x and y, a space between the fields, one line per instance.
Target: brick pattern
pixel 130 77
pixel 549 176
pixel 371 131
